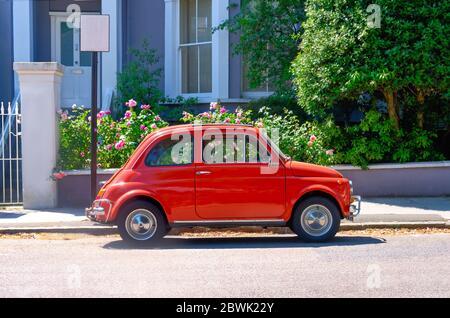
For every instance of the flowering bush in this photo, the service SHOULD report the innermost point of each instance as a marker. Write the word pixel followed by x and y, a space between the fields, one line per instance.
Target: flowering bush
pixel 116 139
pixel 307 142
pixel 219 114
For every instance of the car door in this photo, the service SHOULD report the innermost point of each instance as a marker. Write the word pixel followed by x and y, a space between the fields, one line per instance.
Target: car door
pixel 239 188
pixel 168 172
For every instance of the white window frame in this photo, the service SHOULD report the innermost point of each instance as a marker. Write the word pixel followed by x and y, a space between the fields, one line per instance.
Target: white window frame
pixel 220 53
pixel 256 95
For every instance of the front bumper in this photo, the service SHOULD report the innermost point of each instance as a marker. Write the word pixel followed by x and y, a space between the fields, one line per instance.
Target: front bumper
pixel 355 207
pixel 99 211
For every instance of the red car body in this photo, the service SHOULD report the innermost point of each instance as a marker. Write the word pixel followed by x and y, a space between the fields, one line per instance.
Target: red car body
pixel 219 194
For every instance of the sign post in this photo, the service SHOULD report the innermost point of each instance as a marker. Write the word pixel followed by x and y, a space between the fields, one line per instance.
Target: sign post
pixel 94 38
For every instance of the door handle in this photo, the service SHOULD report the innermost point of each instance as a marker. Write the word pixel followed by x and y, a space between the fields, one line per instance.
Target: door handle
pixel 203 173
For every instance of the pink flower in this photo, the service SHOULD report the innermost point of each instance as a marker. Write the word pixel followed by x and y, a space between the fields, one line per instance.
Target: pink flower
pixel 213 105
pixel 82 154
pixel 142 127
pixel 227 121
pixel 142 136
pixel 120 145
pixel 239 114
pixel 128 114
pixel 145 107
pixel 113 124
pixel 108 112
pixel 238 121
pixel 157 118
pixel 313 138
pixel 206 115
pixel 153 126
pixel 223 110
pixel 131 103
pixel 108 147
pixel 64 115
pixel 330 152
pixel 101 114
pixel 59 175
pixel 129 124
pixel 310 143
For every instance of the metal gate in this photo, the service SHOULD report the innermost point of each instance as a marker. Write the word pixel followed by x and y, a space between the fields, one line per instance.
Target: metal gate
pixel 10 155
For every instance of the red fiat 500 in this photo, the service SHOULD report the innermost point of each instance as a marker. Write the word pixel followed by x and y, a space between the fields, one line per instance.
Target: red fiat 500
pixel 221 176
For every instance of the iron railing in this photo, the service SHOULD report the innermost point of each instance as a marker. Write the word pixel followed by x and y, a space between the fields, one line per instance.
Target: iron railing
pixel 10 154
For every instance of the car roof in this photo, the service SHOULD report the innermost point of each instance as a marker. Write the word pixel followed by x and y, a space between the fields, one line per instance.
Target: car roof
pixel 191 126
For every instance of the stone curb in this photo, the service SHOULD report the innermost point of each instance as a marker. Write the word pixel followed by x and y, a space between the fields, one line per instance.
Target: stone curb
pixel 109 230
pixel 91 230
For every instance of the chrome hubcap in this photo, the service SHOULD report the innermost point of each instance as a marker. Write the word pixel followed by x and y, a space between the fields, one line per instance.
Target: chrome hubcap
pixel 316 220
pixel 141 224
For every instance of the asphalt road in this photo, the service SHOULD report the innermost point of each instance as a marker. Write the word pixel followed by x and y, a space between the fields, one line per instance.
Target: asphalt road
pixel 281 266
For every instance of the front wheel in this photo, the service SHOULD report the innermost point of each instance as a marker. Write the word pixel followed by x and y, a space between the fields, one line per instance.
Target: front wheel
pixel 142 222
pixel 316 219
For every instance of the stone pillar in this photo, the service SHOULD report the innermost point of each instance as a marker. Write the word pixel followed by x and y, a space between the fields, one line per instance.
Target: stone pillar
pixel 40 85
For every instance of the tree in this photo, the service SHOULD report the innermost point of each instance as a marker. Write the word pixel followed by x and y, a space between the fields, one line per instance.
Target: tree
pixel 429 64
pixel 139 78
pixel 342 55
pixel 269 34
pixel 329 64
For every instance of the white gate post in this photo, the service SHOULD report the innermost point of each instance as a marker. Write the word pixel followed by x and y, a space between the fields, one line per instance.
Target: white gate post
pixel 40 85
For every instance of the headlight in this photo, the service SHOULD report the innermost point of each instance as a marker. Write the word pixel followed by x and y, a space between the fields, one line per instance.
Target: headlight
pixel 351 186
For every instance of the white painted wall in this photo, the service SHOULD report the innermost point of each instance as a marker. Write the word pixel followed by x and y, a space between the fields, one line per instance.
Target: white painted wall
pixel 220 51
pixel 40 85
pixel 172 87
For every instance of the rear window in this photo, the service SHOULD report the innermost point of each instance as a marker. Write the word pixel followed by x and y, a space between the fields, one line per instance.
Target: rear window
pixel 170 152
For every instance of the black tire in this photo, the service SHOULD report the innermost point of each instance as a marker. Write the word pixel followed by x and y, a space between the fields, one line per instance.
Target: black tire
pixel 146 214
pixel 310 229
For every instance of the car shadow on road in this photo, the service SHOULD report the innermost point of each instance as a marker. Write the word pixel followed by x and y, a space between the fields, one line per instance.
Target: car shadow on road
pixel 243 243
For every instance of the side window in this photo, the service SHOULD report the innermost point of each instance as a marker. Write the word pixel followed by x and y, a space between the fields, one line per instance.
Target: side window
pixel 234 149
pixel 255 151
pixel 170 152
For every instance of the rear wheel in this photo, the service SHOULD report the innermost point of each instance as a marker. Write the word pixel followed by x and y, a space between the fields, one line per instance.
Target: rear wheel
pixel 316 219
pixel 142 222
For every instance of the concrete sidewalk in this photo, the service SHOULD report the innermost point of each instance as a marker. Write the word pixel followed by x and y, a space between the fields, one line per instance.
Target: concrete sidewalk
pixel 375 212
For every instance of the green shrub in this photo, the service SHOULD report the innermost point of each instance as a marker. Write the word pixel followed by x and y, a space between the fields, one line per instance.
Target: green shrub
pixel 74 139
pixel 307 142
pixel 417 145
pixel 376 140
pixel 372 140
pixel 139 79
pixel 117 139
pixel 218 114
pixel 276 104
pixel 304 142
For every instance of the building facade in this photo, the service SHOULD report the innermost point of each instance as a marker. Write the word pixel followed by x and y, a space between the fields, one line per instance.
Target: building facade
pixel 196 62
